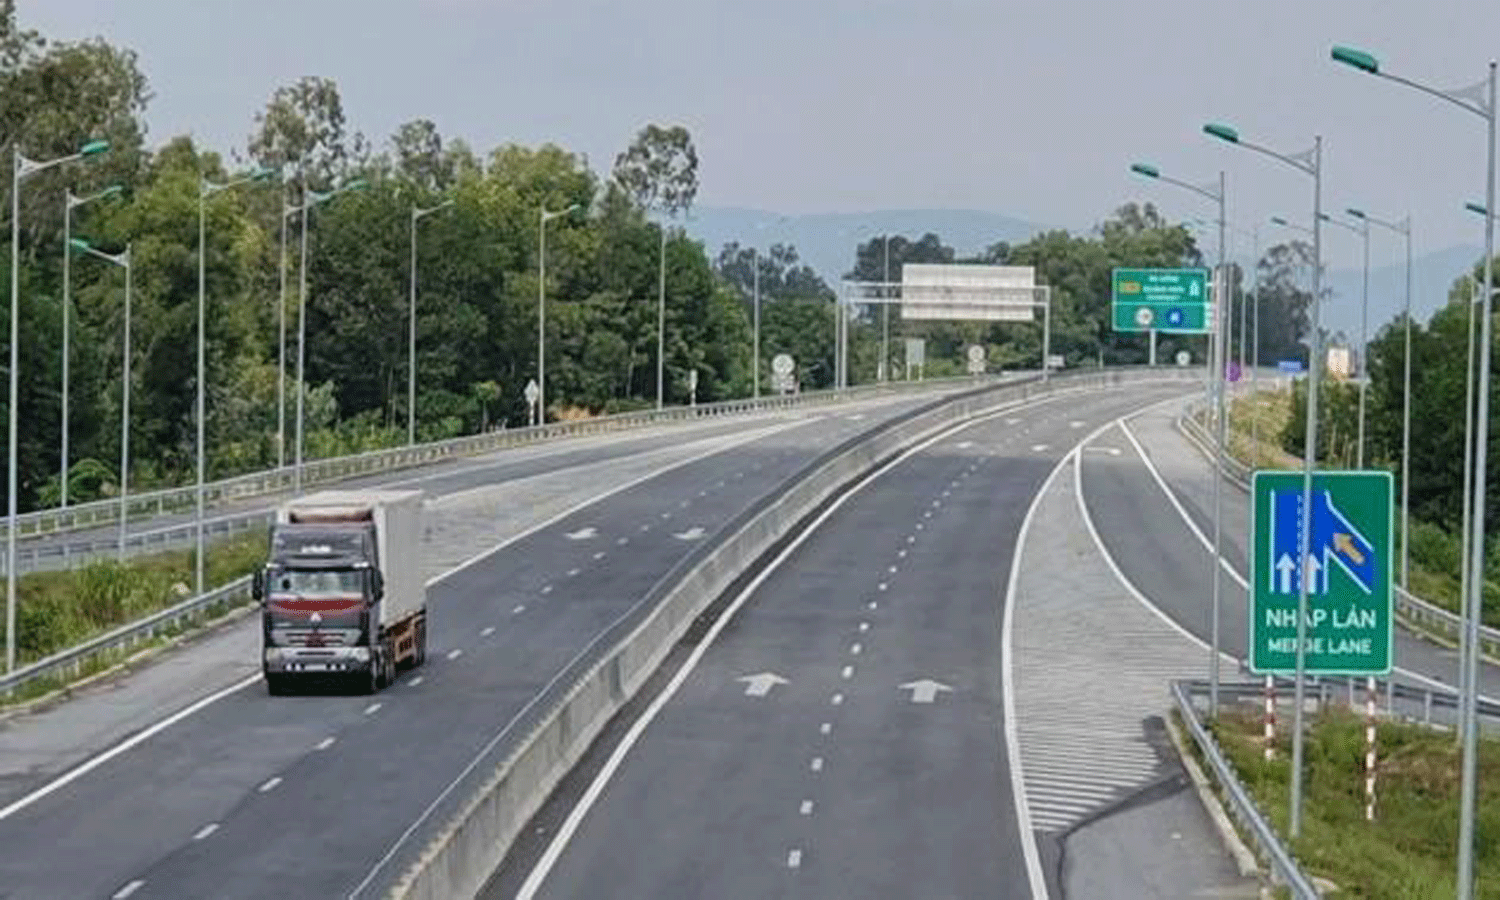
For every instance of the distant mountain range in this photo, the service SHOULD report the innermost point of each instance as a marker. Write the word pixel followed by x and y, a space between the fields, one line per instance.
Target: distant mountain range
pixel 826 242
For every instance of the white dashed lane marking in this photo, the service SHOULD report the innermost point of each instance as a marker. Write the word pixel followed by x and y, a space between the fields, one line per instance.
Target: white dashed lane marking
pixel 372 709
pixel 486 631
pixel 270 784
pixel 546 589
pixel 325 743
pixel 416 681
pixel 127 890
pixel 817 764
pixel 794 859
pixel 456 652
pixel 205 831
pixel 806 808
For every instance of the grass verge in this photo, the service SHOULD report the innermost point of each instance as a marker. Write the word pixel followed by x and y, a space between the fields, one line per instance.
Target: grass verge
pixel 1408 851
pixel 56 610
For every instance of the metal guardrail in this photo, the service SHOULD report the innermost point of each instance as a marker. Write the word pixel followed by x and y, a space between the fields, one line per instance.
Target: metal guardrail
pixel 1419 612
pixel 1268 845
pixel 72 660
pixel 130 634
pixel 99 513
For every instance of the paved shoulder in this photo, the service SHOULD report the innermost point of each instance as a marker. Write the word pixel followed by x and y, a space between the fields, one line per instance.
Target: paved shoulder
pixel 1091 668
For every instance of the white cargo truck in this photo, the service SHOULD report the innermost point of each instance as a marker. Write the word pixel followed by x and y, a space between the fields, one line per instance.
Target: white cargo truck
pixel 343 593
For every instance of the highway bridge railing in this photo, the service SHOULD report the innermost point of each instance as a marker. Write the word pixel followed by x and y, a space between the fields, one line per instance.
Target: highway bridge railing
pixel 101 513
pixel 1420 614
pixel 513 775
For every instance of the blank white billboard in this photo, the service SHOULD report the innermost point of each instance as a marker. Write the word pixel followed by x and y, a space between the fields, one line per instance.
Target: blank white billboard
pixel 968 292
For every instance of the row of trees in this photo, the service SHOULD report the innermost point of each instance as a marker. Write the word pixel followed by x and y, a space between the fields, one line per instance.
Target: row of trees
pixel 477 259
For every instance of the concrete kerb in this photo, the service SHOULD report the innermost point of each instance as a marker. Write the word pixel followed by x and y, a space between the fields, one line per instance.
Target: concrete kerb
pixel 458 861
pixel 1244 859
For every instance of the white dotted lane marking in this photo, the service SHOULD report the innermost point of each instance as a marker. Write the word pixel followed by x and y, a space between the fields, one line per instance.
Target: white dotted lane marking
pixel 325 743
pixel 806 808
pixel 372 709
pixel 837 699
pixel 270 785
pixel 911 539
pixel 486 631
pixel 817 764
pixel 546 589
pixel 599 555
pixel 864 626
pixel 455 653
pixel 881 586
pixel 855 648
pixel 666 515
pixel 416 681
pixel 520 608
pixel 892 570
pixel 920 526
pixel 572 572
pixel 127 890
pixel 927 515
pixel 622 541
pixel 205 831
pixel 873 604
pixel 825 728
pixel 793 859
pixel 848 672
pixel 937 503
pixel 901 554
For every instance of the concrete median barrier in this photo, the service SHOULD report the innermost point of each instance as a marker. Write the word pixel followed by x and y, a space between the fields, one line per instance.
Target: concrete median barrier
pixel 567 717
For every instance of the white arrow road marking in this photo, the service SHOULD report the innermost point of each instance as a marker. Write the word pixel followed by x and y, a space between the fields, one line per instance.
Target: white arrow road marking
pixel 924 690
pixel 583 534
pixel 692 534
pixel 760 684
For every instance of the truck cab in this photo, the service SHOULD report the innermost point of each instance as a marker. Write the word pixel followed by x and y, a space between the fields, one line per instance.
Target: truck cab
pixel 323 593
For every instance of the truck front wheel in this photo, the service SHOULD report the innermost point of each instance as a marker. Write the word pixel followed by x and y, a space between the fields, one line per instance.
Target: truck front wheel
pixel 275 684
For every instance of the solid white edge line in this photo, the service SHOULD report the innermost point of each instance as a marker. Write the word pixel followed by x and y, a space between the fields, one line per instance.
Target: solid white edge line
pixel 569 826
pixel 128 890
pixel 1234 573
pixel 1130 588
pixel 152 730
pixel 124 746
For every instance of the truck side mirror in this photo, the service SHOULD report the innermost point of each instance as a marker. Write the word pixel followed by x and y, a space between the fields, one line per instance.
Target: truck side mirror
pixel 258 585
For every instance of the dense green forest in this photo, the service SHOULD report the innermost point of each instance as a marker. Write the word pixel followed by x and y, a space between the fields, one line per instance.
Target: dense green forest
pixel 477 259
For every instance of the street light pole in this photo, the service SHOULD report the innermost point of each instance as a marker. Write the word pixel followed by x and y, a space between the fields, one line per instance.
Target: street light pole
pixel 287 210
pixel 70 203
pixel 544 217
pixel 1309 162
pixel 21 168
pixel 661 322
pixel 885 314
pixel 310 199
pixel 417 213
pixel 1217 194
pixel 206 189
pixel 122 260
pixel 1478 99
pixel 1363 230
pixel 1402 228
pixel 755 280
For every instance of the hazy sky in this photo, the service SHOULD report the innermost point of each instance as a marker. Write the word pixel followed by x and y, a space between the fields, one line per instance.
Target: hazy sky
pixel 1033 109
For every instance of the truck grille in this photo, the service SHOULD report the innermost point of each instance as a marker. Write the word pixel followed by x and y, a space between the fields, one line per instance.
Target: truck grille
pixel 306 637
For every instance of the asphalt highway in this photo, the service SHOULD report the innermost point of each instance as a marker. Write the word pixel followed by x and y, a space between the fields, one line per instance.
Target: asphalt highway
pixel 843 735
pixel 452 475
pixel 324 796
pixel 1157 551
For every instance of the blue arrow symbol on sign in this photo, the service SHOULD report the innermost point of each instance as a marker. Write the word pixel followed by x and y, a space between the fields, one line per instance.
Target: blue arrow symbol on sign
pixel 1334 541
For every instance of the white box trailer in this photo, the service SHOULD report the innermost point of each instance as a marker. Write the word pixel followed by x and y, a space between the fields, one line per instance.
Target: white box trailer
pixel 344 590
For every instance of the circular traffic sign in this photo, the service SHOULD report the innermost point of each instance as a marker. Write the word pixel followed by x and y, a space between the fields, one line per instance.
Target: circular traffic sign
pixel 782 364
pixel 1174 317
pixel 976 353
pixel 1144 316
pixel 1184 357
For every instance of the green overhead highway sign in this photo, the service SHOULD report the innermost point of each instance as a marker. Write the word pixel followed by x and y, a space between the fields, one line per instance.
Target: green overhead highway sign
pixel 1166 300
pixel 1348 572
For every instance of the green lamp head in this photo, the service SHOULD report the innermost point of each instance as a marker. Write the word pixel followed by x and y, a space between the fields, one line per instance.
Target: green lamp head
pixel 1357 59
pixel 1222 132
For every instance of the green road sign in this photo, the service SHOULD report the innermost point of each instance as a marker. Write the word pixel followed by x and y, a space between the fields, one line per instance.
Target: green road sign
pixel 1348 572
pixel 1168 300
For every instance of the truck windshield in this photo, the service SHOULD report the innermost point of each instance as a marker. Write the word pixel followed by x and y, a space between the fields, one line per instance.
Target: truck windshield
pixel 316 582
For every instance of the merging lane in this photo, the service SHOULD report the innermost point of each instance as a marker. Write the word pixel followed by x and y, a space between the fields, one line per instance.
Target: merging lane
pixel 843 734
pixel 311 796
pixel 1159 553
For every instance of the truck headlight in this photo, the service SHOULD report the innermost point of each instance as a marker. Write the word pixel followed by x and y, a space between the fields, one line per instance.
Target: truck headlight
pixel 362 654
pixel 273 654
